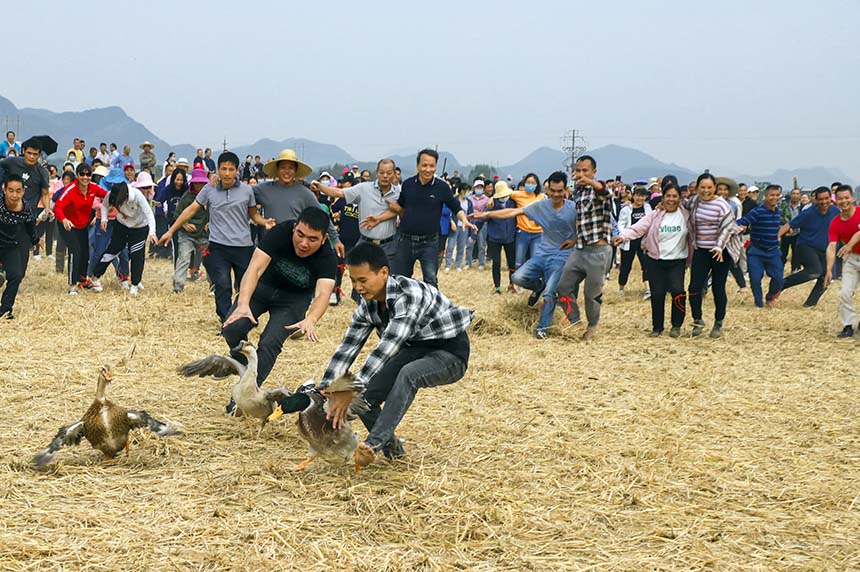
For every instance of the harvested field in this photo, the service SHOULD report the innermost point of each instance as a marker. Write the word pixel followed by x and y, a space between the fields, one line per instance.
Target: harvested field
pixel 624 454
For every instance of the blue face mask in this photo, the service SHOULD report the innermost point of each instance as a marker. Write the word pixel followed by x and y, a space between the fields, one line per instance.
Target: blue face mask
pixel 531 187
pixel 479 192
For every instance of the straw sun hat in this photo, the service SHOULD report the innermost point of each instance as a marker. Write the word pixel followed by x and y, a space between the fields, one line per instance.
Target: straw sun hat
pixel 302 169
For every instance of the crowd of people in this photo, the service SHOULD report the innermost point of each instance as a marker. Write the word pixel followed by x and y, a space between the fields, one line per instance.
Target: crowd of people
pixel 270 239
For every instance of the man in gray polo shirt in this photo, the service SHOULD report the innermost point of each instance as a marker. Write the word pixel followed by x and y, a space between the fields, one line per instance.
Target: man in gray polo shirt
pixel 231 204
pixel 372 199
pixel 284 198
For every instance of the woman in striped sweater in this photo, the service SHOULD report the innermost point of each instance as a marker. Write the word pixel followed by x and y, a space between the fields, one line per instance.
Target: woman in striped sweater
pixel 715 247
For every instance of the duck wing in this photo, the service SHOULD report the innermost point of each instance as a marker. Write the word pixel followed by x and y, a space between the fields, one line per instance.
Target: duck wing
pixel 217 366
pixel 141 419
pixel 278 394
pixel 66 436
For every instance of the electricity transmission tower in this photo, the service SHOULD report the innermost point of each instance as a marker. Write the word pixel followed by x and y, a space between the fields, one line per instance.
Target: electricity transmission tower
pixel 573 145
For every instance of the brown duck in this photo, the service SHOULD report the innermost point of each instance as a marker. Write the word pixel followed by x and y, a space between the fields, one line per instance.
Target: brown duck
pixel 334 446
pixel 105 425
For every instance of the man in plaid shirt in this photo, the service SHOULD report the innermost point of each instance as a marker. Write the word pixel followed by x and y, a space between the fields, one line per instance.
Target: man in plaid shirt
pixel 422 343
pixel 588 261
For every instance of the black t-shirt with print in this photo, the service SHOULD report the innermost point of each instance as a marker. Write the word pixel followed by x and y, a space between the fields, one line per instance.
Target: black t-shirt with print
pixel 636 215
pixel 35 178
pixel 287 271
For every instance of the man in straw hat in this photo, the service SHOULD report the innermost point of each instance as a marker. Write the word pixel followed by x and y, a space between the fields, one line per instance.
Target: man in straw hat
pixel 422 343
pixel 372 199
pixel 420 208
pixel 147 157
pixel 541 273
pixel 283 198
pixel 231 204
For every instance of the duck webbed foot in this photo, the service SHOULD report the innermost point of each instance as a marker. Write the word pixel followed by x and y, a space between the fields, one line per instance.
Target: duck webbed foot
pixel 303 465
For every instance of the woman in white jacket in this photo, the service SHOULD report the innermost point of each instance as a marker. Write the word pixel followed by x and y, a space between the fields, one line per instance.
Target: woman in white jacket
pixel 135 223
pixel 630 215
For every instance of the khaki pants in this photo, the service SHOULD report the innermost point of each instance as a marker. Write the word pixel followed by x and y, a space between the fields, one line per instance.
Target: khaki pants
pixel 850 281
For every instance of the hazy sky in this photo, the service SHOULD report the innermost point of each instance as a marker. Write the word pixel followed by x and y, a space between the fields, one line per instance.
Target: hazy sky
pixel 740 86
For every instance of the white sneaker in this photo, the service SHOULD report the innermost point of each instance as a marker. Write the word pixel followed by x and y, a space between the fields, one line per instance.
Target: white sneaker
pixel 50 257
pixel 459 270
pixel 135 288
pixel 73 291
pixel 140 286
pixel 480 267
pixel 447 269
pixel 621 291
pixel 37 257
pixel 646 295
pixel 97 286
pixel 126 284
pixel 332 299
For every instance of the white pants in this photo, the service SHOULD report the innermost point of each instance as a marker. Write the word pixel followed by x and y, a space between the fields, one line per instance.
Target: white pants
pixel 850 281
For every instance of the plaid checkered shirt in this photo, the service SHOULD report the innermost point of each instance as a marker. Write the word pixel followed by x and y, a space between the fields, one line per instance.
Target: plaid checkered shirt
pixel 593 215
pixel 417 312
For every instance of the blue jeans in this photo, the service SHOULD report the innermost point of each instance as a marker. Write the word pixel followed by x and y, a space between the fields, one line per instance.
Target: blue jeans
pixel 460 241
pixel 481 243
pixel 99 242
pixel 410 369
pixel 421 248
pixel 526 244
pixel 759 262
pixel 539 272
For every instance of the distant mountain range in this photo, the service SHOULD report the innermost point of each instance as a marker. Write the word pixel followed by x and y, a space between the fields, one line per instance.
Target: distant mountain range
pixel 112 124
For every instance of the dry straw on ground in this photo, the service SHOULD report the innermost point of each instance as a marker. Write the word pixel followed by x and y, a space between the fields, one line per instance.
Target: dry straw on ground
pixel 623 454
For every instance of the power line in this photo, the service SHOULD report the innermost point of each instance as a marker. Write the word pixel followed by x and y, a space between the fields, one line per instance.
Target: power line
pixel 573 145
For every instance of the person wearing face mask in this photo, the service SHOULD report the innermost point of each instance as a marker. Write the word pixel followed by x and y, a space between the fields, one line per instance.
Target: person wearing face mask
pixel 528 231
pixel 479 202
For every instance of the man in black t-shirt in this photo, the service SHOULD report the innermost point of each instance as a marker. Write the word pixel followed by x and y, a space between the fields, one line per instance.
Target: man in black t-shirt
pixel 36 186
pixel 291 276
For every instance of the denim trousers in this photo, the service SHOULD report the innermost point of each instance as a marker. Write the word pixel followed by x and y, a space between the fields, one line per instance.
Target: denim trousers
pixel 424 249
pixel 396 384
pixel 99 241
pixel 458 241
pixel 527 242
pixel 541 272
pixel 761 262
pixel 480 241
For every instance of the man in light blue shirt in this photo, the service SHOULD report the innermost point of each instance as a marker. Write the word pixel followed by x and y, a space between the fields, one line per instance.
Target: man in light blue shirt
pixel 541 273
pixel 9 143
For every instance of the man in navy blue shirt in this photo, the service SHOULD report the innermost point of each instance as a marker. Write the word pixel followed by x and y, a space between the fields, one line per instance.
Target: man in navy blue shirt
pixel 764 255
pixel 420 208
pixel 811 245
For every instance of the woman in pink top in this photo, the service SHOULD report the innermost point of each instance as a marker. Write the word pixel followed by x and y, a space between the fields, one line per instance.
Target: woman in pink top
pixel 667 243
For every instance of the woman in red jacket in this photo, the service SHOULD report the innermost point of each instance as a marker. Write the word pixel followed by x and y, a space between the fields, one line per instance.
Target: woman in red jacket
pixel 73 210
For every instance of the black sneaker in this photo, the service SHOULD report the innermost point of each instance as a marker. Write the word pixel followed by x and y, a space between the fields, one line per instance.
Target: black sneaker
pixel 230 407
pixel 7 315
pixel 847 332
pixel 394 450
pixel 655 333
pixel 698 328
pixel 541 334
pixel 535 296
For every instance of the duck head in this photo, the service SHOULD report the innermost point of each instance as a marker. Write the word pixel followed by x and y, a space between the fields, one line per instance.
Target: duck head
pixel 293 403
pixel 105 379
pixel 245 348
